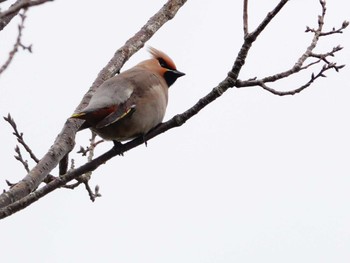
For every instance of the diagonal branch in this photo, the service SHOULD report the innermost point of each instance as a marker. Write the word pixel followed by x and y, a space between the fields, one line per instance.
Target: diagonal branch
pixel 14 9
pixel 7 15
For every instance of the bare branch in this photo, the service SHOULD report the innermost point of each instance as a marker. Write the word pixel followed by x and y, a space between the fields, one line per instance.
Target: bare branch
pixel 19 136
pixel 297 90
pixel 19 158
pixel 6 16
pixel 340 30
pixel 267 20
pixel 86 150
pixel 262 82
pixel 7 19
pixel 328 54
pixel 14 9
pixel 245 18
pixel 299 65
pixel 85 178
pixel 20 139
pixel 92 195
pixel 71 186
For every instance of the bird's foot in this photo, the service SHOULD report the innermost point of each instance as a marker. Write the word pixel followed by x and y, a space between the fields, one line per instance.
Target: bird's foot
pixel 118 145
pixel 144 139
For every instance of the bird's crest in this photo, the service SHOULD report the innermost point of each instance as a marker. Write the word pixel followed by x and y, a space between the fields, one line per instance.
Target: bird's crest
pixel 164 60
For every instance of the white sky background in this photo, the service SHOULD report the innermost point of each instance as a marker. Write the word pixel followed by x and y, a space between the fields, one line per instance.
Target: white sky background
pixel 252 178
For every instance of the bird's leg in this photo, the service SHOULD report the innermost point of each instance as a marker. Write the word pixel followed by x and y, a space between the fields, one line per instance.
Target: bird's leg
pixel 144 139
pixel 118 145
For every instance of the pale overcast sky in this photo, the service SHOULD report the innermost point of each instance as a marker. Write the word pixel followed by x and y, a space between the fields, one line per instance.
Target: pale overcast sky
pixel 253 178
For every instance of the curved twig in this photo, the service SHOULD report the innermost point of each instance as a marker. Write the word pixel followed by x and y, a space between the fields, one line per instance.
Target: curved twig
pixel 17 44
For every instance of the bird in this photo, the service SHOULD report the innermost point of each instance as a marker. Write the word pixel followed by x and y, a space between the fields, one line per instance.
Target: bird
pixel 133 102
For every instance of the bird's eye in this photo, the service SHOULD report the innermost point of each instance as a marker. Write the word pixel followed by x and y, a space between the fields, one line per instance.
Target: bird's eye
pixel 162 63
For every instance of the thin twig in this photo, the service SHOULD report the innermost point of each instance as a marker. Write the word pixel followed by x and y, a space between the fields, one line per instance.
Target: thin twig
pixel 245 18
pixel 19 136
pixel 85 178
pixel 17 44
pixel 340 30
pixel 19 158
pixel 86 150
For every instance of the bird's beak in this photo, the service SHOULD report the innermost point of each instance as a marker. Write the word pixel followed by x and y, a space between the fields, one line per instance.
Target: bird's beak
pixel 177 73
pixel 171 75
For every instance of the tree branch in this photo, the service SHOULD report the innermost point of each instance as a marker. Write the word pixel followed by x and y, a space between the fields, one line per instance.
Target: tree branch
pixel 7 15
pixel 245 18
pixel 19 136
pixel 23 4
pixel 85 178
pixel 19 157
pixel 301 88
pixel 299 65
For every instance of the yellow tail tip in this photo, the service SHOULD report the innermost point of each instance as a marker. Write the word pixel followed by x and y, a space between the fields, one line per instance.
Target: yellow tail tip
pixel 78 115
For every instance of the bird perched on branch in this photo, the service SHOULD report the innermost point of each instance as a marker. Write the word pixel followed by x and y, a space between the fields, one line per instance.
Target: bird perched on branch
pixel 132 103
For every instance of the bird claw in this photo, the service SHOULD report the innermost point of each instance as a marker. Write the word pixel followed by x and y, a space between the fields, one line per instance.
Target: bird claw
pixel 144 140
pixel 118 145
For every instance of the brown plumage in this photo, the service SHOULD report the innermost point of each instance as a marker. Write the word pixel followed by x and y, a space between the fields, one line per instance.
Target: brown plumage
pixel 131 103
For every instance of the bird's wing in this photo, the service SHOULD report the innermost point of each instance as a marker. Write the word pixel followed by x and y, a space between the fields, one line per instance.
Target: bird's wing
pixel 114 91
pixel 111 102
pixel 119 113
pixel 116 99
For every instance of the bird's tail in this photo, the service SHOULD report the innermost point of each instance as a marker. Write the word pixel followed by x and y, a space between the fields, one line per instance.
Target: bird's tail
pixel 79 115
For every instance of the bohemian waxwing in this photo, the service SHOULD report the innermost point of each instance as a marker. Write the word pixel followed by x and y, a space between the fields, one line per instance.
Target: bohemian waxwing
pixel 131 103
